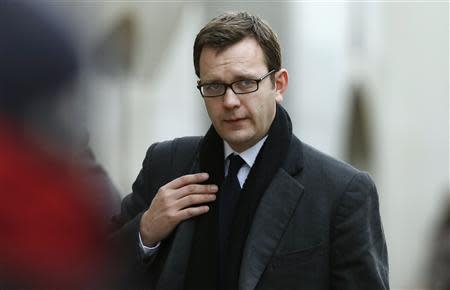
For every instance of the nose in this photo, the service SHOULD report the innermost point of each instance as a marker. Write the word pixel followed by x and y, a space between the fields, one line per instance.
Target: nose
pixel 230 99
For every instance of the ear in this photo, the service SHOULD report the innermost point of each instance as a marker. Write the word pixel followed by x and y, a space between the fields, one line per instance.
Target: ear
pixel 281 84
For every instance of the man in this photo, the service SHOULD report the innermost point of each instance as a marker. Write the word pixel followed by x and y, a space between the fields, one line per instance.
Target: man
pixel 302 220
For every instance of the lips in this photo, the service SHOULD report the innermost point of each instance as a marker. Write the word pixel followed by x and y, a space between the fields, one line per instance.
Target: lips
pixel 234 120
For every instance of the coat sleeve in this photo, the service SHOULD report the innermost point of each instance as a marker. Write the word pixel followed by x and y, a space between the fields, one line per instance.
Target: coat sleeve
pixel 163 162
pixel 126 225
pixel 359 254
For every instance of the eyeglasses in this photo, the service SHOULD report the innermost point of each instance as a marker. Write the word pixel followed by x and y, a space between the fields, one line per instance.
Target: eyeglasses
pixel 238 87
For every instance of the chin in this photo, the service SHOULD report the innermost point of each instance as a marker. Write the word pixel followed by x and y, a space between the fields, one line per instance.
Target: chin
pixel 238 141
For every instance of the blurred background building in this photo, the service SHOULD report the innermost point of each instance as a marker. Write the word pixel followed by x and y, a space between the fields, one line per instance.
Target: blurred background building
pixel 369 83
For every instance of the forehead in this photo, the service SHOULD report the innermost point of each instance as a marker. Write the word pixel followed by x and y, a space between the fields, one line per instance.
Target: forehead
pixel 244 58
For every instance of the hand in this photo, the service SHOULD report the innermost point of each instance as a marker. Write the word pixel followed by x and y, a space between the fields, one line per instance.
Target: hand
pixel 175 202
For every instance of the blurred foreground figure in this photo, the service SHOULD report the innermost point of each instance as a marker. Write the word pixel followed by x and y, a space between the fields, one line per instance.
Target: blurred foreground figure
pixel 54 198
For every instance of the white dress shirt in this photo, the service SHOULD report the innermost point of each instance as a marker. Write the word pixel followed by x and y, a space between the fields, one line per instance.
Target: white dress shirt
pixel 249 156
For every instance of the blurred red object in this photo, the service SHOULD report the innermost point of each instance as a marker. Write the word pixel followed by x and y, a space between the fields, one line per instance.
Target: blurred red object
pixel 53 234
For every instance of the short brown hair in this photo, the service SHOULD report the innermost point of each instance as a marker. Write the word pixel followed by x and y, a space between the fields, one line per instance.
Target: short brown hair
pixel 230 28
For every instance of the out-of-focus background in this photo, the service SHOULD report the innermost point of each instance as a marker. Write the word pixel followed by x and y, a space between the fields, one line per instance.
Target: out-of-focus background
pixel 369 84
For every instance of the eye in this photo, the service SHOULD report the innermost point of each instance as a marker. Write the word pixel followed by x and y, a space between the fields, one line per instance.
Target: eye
pixel 245 84
pixel 212 87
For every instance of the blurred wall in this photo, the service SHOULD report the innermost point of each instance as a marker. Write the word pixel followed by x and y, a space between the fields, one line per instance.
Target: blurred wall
pixel 411 108
pixel 397 53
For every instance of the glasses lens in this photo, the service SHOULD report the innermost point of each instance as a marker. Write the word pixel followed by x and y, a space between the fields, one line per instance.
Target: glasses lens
pixel 211 90
pixel 245 86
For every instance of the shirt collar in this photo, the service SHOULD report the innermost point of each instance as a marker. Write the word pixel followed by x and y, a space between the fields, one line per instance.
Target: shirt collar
pixel 248 155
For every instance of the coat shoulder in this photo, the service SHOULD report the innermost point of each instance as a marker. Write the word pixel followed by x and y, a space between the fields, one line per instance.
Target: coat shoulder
pixel 324 171
pixel 314 158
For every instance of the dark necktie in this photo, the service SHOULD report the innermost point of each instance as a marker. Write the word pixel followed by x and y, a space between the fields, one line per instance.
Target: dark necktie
pixel 227 203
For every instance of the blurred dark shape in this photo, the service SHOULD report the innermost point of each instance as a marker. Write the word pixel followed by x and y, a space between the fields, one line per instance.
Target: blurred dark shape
pixel 114 55
pixel 55 199
pixel 440 262
pixel 36 57
pixel 359 152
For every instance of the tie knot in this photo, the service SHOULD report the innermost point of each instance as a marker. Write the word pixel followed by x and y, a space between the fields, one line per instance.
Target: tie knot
pixel 236 163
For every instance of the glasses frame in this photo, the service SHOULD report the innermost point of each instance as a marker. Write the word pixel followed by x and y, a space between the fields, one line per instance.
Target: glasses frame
pixel 230 85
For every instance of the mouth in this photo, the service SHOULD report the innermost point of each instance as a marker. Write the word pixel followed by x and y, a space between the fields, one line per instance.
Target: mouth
pixel 234 120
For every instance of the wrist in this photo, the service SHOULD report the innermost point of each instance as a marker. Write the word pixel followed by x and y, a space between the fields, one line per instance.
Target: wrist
pixel 146 237
pixel 146 245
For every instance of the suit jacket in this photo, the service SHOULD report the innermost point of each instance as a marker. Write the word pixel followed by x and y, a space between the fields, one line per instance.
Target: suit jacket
pixel 317 225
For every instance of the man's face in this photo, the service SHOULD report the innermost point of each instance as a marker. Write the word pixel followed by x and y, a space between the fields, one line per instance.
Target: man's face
pixel 243 119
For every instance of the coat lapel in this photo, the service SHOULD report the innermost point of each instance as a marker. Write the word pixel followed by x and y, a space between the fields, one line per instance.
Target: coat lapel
pixel 271 218
pixel 174 270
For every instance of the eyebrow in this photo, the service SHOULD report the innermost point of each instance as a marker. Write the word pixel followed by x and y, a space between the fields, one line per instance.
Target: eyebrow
pixel 236 78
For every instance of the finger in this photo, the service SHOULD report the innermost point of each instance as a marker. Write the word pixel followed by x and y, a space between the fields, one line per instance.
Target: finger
pixel 191 212
pixel 194 199
pixel 195 189
pixel 185 180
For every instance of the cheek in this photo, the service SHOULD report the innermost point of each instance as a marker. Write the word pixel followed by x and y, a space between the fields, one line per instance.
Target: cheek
pixel 263 111
pixel 213 110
